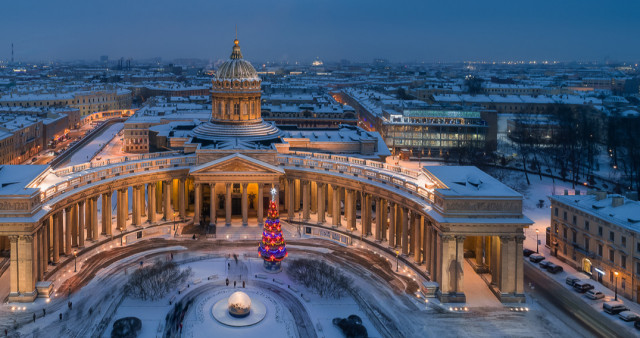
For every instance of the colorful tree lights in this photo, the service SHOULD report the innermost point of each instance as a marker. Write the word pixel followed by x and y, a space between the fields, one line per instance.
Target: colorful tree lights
pixel 272 248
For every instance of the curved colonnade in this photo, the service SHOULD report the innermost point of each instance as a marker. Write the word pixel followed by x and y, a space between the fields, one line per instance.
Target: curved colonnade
pixel 400 208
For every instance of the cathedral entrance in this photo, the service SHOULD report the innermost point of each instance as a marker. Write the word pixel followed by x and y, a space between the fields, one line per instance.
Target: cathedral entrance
pixel 236 206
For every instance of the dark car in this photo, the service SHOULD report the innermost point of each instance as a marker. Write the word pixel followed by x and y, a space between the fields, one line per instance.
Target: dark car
pixel 636 324
pixel 527 252
pixel 536 258
pixel 552 268
pixel 582 287
pixel 544 264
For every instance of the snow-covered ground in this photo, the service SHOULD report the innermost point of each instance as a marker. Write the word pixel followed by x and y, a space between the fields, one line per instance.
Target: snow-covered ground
pixel 86 153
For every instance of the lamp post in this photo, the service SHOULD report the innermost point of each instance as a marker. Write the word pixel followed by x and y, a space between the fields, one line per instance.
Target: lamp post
pixel 537 241
pixel 397 253
pixel 174 223
pixel 616 281
pixel 75 261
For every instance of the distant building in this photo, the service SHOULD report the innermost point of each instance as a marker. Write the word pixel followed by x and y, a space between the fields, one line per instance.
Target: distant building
pixel 87 102
pixel 598 234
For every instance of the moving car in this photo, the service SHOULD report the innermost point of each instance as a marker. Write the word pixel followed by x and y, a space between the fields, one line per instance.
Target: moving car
pixel 613 308
pixel 527 252
pixel 536 258
pixel 594 294
pixel 628 316
pixel 571 280
pixel 552 268
pixel 582 286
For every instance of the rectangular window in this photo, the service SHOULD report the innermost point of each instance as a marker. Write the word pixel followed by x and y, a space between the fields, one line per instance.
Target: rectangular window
pixel 612 236
pixel 623 261
pixel 574 237
pixel 564 233
pixel 600 250
pixel 600 231
pixel 556 211
pixel 575 220
pixel 564 215
pixel 611 255
pixel 638 248
pixel 586 225
pixel 624 241
pixel 586 245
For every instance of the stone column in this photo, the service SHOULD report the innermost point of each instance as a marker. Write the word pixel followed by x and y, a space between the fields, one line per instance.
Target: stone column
pixel 135 205
pixel 479 250
pixel 417 257
pixel 447 270
pixel 296 189
pixel 212 207
pixel 459 266
pixel 81 222
pixel 142 200
pixel 363 214
pixel 336 206
pixel 88 219
pixel 494 261
pixel 321 200
pixel 151 217
pixel 392 225
pixel 94 218
pixel 314 197
pixel 56 238
pixel 126 204
pixel 227 205
pixel 519 275
pixel 507 264
pixel 67 231
pixel 425 239
pixel 260 213
pixel 158 197
pixel 290 198
pixel 351 218
pixel 182 199
pixel 47 239
pixel 106 213
pixel 74 225
pixel 119 210
pixel 197 208
pixel 14 271
pixel 377 233
pixel 167 200
pixel 245 205
pixel 385 215
pixel 43 251
pixel 329 200
pixel 405 231
pixel 306 196
pixel 398 225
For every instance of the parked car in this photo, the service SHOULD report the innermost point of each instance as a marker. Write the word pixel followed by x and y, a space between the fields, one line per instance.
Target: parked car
pixel 536 258
pixel 637 324
pixel 613 308
pixel 594 294
pixel 628 316
pixel 582 286
pixel 571 280
pixel 544 264
pixel 527 252
pixel 552 268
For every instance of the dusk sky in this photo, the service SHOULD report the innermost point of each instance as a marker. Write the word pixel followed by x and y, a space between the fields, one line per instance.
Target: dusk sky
pixel 300 30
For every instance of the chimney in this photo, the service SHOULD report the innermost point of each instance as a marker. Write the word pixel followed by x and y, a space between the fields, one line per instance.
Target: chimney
pixel 617 201
pixel 600 195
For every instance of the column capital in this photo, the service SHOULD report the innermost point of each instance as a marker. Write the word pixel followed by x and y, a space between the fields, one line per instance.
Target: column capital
pixel 13 238
pixel 228 185
pixel 244 185
pixel 520 238
pixel 460 238
pixel 27 238
pixel 445 238
pixel 507 238
pixel 320 185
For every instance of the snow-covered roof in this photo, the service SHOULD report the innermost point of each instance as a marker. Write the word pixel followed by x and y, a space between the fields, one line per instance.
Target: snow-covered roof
pixel 626 215
pixel 468 181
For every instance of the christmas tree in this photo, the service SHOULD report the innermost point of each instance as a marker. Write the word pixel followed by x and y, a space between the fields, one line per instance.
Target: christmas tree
pixel 272 248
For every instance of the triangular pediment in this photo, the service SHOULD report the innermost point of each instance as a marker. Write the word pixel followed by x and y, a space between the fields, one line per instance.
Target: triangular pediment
pixel 236 164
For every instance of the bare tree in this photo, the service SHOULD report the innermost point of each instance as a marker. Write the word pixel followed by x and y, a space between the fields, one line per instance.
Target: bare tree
pixel 320 277
pixel 155 281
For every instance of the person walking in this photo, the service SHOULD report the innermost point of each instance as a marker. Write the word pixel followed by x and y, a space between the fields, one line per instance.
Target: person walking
pixel 60 315
pixel 44 312
pixel 34 317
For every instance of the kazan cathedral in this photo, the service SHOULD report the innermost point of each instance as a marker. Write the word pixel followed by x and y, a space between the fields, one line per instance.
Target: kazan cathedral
pixel 334 184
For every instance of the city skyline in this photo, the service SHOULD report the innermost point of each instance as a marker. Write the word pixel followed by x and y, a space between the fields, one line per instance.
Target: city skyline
pixel 330 30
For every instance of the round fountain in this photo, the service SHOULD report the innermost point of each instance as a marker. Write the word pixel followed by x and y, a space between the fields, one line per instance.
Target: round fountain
pixel 239 309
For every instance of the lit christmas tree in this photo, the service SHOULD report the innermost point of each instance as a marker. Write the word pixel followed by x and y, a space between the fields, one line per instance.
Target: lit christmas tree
pixel 272 248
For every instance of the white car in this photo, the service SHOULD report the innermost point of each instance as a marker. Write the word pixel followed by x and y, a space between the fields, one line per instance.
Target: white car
pixel 593 294
pixel 628 316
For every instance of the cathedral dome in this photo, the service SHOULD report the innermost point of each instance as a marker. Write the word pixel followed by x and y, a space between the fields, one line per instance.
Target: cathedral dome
pixel 236 68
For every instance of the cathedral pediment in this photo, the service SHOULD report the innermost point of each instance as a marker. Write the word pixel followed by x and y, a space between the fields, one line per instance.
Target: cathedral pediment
pixel 236 164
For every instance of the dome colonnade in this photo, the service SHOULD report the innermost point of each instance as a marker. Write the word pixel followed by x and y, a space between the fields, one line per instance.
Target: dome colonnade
pixel 414 212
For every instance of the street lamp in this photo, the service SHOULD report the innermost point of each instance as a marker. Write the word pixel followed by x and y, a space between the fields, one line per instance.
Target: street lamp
pixel 397 253
pixel 75 261
pixel 537 241
pixel 616 282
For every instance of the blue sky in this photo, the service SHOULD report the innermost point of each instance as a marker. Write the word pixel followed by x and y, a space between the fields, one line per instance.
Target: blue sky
pixel 300 30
